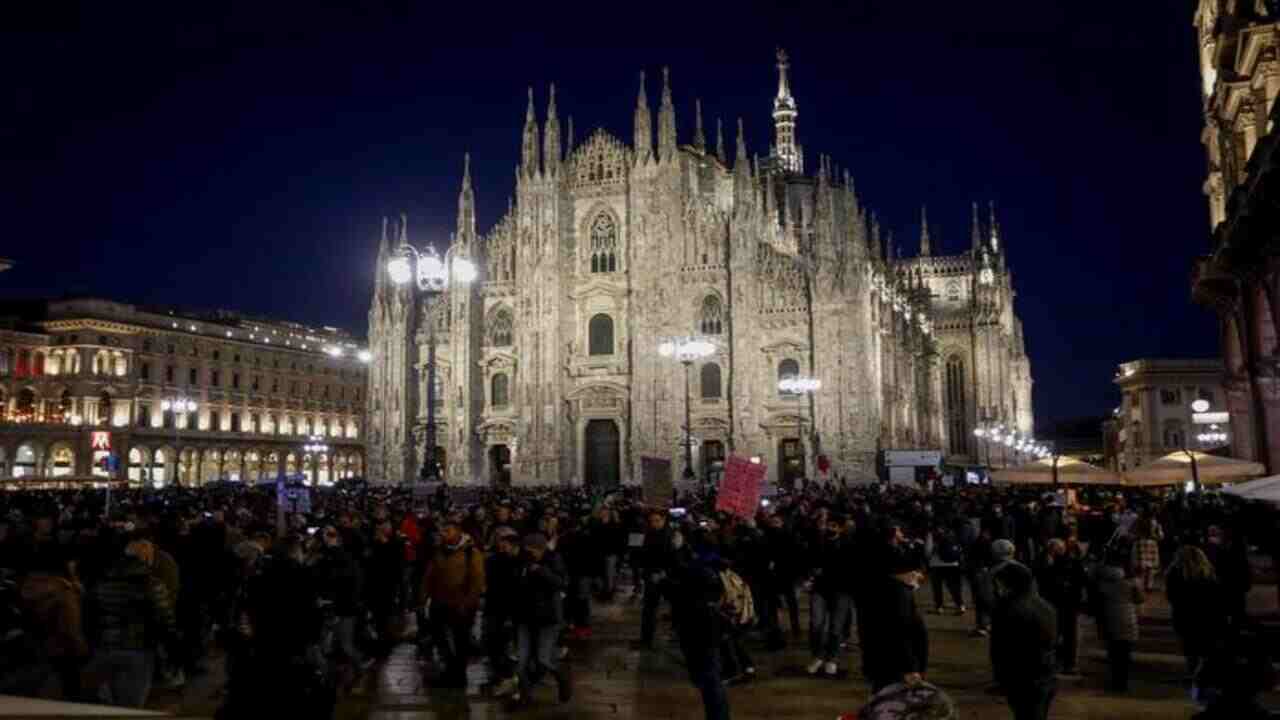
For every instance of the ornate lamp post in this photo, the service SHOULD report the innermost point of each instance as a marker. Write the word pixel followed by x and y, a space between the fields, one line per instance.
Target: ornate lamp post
pixel 431 276
pixel 805 385
pixel 686 350
pixel 177 405
pixel 315 447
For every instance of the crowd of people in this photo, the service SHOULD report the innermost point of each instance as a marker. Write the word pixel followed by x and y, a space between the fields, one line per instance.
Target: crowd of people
pixel 102 605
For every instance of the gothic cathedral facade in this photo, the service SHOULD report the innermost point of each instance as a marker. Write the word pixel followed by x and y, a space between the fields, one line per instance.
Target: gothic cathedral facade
pixel 548 369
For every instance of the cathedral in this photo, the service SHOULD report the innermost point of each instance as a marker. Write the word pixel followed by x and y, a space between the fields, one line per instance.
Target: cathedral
pixel 548 368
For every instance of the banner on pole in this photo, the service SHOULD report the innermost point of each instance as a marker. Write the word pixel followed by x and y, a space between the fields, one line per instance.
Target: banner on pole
pixel 655 473
pixel 740 488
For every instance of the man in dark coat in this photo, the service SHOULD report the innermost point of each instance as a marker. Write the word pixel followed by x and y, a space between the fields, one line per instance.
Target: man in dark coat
pixel 539 614
pixel 695 591
pixel 895 646
pixel 502 580
pixel 654 561
pixel 1023 633
pixel 1061 579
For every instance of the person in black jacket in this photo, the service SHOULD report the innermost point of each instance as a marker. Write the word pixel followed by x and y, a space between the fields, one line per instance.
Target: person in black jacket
pixel 654 561
pixel 538 614
pixel 695 591
pixel 384 570
pixel 502 587
pixel 339 581
pixel 1061 579
pixel 1023 633
pixel 895 646
pixel 831 599
pixel 782 553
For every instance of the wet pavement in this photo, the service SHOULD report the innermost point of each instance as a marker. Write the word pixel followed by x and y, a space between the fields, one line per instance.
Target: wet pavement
pixel 616 682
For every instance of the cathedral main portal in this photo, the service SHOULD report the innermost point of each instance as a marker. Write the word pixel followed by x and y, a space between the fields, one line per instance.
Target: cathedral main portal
pixel 602 442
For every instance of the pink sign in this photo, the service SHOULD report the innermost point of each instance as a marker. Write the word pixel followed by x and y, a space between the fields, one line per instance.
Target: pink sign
pixel 740 488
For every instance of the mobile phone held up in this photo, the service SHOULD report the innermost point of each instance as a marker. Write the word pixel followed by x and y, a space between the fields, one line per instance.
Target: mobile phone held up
pixel 312 530
pixel 678 512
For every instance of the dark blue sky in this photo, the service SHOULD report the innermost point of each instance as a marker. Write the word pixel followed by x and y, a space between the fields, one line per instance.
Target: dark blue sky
pixel 242 155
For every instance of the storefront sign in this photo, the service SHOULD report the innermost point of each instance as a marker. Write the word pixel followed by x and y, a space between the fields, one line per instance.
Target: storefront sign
pixel 100 440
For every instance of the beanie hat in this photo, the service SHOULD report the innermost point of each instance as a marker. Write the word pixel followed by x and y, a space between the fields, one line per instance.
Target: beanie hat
pixel 1002 549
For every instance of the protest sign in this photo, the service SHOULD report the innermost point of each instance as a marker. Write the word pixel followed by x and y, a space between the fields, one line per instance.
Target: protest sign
pixel 656 476
pixel 740 488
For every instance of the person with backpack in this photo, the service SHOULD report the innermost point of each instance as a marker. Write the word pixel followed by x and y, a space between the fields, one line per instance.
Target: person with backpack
pixel 453 583
pixel 1023 634
pixel 1114 601
pixel 739 612
pixel 942 548
pixel 831 598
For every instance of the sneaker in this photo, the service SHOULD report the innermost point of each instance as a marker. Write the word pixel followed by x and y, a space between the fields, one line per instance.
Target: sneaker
pixel 564 652
pixel 814 667
pixel 962 610
pixel 936 611
pixel 506 687
pixel 749 674
pixel 830 668
pixel 979 632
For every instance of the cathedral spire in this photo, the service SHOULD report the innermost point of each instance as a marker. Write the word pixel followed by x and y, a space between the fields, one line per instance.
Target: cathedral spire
pixel 784 120
pixel 551 136
pixel 380 269
pixel 466 204
pixel 877 250
pixel 994 229
pixel 529 152
pixel 720 143
pixel 740 162
pixel 643 126
pixel 568 144
pixel 666 121
pixel 926 245
pixel 699 138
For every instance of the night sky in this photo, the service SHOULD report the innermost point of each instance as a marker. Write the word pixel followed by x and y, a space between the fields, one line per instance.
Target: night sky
pixel 241 155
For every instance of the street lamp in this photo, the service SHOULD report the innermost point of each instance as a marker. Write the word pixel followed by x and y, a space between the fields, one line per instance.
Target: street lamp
pixel 177 405
pixel 805 385
pixel 316 446
pixel 687 349
pixel 432 276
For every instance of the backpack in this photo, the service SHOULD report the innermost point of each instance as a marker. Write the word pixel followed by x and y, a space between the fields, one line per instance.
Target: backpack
pixel 736 598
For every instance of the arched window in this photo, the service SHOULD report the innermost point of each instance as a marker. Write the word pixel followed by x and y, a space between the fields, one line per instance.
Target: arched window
pixel 1173 435
pixel 788 368
pixel 712 320
pixel 710 381
pixel 956 409
pixel 498 390
pixel 64 407
pixel 500 332
pixel 600 335
pixel 604 244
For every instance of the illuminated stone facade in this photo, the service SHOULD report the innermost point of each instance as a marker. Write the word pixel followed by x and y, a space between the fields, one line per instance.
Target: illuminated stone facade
pixel 1239 52
pixel 261 390
pixel 549 368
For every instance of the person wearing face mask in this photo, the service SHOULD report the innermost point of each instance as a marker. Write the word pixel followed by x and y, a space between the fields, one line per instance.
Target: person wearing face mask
pixel 502 578
pixel 453 583
pixel 339 580
pixel 541 581
pixel 1023 635
pixel 895 647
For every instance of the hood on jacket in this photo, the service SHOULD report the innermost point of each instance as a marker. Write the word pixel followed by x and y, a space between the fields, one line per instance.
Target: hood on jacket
pixel 40 589
pixel 1015 578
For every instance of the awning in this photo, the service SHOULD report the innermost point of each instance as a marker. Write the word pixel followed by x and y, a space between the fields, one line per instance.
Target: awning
pixel 1070 471
pixel 1175 469
pixel 1266 489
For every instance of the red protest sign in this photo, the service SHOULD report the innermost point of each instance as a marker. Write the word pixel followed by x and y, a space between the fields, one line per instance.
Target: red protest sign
pixel 740 488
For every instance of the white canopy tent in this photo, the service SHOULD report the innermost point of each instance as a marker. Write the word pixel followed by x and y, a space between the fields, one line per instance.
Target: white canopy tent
pixel 1070 471
pixel 1176 469
pixel 1266 489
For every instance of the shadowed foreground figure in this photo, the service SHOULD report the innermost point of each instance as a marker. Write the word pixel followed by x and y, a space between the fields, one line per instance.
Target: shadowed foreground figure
pixel 1024 631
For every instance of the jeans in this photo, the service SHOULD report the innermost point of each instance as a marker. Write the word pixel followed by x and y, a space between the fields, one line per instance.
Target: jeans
pixel 451 632
pixel 827 616
pixel 649 611
pixel 950 576
pixel 610 574
pixel 345 633
pixel 496 635
pixel 977 587
pixel 704 671
pixel 1068 638
pixel 1119 659
pixel 735 659
pixel 128 676
pixel 536 642
pixel 1031 702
